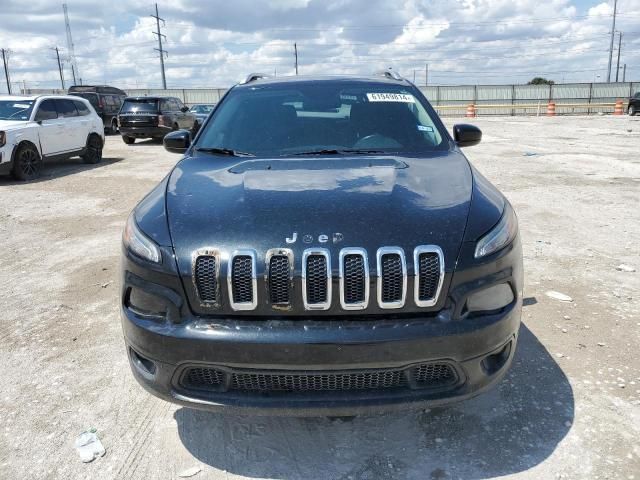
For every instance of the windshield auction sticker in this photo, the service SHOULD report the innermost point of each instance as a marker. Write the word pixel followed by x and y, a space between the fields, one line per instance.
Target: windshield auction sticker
pixel 391 97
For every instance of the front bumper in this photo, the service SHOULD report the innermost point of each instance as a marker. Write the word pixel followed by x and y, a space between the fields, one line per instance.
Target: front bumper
pixel 144 132
pixel 480 351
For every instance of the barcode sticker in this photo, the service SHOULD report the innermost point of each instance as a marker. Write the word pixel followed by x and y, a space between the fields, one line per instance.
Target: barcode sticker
pixel 391 97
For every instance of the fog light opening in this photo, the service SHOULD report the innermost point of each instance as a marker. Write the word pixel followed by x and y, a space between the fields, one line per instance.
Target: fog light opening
pixel 494 362
pixel 144 365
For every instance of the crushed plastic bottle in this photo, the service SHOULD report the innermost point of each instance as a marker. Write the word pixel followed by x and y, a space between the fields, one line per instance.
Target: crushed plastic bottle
pixel 89 446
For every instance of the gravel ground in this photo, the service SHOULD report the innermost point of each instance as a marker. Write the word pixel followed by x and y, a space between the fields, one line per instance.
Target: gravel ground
pixel 569 408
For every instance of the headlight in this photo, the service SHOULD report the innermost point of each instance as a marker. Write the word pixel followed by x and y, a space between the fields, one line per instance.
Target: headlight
pixel 3 139
pixel 500 235
pixel 139 243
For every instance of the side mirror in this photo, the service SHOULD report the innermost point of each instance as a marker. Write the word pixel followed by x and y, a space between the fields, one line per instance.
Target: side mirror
pixel 466 135
pixel 184 109
pixel 177 142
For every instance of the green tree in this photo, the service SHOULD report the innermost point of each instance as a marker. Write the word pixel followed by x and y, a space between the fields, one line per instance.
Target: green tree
pixel 541 81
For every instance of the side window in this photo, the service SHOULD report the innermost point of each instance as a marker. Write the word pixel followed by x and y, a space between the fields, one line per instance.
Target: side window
pixel 66 108
pixel 165 106
pixel 46 111
pixel 109 100
pixel 180 104
pixel 82 108
pixel 174 104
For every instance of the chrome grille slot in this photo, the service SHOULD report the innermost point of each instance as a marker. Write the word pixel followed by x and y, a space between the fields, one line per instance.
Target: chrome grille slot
pixel 428 264
pixel 279 275
pixel 392 277
pixel 206 266
pixel 241 276
pixel 316 279
pixel 354 279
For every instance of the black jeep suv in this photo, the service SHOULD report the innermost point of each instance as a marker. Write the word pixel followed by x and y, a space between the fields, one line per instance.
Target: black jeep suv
pixel 322 248
pixel 153 117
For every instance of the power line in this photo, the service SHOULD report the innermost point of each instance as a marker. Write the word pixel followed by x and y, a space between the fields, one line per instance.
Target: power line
pixel 159 49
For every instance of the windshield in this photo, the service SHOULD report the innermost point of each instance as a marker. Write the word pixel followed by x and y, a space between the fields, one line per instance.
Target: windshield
pixel 15 109
pixel 140 105
pixel 289 119
pixel 204 109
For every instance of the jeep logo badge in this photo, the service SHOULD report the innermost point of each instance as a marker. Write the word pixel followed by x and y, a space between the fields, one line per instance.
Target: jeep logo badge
pixel 308 238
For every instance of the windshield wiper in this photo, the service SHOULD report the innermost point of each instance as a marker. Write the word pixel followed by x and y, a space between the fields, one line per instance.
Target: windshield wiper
pixel 339 152
pixel 224 151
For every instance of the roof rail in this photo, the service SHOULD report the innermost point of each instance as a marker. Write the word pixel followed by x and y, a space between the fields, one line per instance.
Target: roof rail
pixel 252 77
pixel 390 73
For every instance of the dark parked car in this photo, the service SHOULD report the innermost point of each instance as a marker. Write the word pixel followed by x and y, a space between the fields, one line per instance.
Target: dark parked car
pixel 202 111
pixel 105 100
pixel 634 104
pixel 323 248
pixel 154 117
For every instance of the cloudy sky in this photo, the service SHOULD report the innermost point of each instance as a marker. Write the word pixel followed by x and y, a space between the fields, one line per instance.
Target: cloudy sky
pixel 215 43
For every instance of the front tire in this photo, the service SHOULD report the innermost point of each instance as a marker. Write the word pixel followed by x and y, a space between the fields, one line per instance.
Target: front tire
pixel 128 140
pixel 27 163
pixel 93 154
pixel 632 110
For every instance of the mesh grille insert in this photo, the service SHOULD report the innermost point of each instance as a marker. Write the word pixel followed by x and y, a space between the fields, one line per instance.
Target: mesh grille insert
pixel 242 279
pixel 429 275
pixel 392 278
pixel 428 375
pixel 316 271
pixel 279 270
pixel 354 278
pixel 206 276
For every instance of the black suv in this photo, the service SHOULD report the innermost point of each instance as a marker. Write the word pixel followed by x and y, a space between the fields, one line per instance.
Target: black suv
pixel 323 248
pixel 105 100
pixel 634 104
pixel 154 117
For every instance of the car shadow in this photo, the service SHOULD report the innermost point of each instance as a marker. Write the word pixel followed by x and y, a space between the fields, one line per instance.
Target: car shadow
pixel 61 168
pixel 507 430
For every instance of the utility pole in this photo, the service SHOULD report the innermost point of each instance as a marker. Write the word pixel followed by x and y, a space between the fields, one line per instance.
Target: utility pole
pixel 619 47
pixel 5 54
pixel 59 67
pixel 426 74
pixel 624 73
pixel 71 55
pixel 159 49
pixel 613 31
pixel 295 51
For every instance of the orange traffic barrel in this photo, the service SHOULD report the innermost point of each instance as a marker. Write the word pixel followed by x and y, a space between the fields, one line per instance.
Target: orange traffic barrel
pixel 471 110
pixel 551 109
pixel 618 110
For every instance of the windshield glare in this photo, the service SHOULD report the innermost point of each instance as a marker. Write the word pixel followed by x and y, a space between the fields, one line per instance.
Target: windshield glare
pixel 140 105
pixel 282 119
pixel 15 109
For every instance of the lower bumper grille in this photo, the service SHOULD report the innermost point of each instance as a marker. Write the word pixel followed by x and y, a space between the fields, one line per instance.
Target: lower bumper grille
pixel 426 375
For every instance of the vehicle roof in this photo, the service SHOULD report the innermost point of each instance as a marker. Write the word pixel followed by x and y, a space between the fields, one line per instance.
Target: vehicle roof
pixel 35 97
pixel 380 79
pixel 149 97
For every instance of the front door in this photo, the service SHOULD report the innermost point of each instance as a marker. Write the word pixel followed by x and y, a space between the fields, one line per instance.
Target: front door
pixel 51 129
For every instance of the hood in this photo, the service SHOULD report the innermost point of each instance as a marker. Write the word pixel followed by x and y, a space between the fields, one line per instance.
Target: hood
pixel 12 124
pixel 366 202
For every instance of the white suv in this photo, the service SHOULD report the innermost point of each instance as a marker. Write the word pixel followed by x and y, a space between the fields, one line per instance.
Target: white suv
pixel 38 128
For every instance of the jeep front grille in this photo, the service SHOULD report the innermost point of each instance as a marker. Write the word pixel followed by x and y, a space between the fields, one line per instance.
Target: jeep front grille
pixel 205 274
pixel 421 376
pixel 429 271
pixel 316 279
pixel 279 278
pixel 241 275
pixel 354 279
pixel 392 277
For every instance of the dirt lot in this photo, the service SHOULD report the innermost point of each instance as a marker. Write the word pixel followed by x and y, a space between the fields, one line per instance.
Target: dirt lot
pixel 570 407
